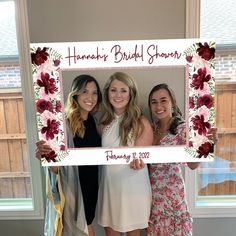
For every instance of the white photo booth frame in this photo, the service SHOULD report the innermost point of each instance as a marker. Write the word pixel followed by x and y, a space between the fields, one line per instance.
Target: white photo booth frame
pixel 197 55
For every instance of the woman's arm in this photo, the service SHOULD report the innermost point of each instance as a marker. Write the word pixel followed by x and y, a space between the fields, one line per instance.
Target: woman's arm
pixel 146 137
pixel 193 165
pixel 212 135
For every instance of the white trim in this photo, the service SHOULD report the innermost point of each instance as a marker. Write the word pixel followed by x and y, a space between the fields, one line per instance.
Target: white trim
pixel 192 19
pixel 30 121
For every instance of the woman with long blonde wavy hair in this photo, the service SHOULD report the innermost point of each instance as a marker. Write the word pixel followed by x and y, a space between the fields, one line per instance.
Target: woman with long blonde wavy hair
pixel 122 189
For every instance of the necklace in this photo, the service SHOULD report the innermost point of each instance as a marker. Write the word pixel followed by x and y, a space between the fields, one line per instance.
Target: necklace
pixel 158 136
pixel 160 132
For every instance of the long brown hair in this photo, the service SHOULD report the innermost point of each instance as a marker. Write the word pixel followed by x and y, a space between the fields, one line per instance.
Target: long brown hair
pixel 176 113
pixel 73 110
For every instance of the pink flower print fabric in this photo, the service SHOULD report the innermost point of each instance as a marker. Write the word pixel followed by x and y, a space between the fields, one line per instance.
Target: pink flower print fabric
pixel 169 211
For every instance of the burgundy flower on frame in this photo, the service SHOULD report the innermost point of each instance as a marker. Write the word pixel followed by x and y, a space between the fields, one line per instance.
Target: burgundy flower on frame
pixel 205 149
pixel 191 102
pixel 58 106
pixel 48 83
pixel 57 62
pixel 189 58
pixel 51 129
pixel 205 52
pixel 40 56
pixel 50 156
pixel 42 105
pixel 190 144
pixel 200 125
pixel 200 78
pixel 206 100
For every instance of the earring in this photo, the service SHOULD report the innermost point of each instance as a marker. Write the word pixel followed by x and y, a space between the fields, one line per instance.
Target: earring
pixel 172 110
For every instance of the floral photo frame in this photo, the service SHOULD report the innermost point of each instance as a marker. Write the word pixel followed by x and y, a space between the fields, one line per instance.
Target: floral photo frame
pixel 196 55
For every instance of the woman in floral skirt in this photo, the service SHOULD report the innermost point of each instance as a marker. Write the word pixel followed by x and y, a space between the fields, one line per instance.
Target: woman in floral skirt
pixel 169 212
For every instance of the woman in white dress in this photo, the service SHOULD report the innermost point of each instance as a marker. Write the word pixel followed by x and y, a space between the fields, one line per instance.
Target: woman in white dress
pixel 124 195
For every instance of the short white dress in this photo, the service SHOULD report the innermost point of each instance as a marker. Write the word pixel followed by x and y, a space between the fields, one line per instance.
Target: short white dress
pixel 124 198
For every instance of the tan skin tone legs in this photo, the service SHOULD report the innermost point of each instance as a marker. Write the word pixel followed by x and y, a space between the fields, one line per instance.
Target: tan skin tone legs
pixel 110 232
pixel 134 233
pixel 161 234
pixel 91 230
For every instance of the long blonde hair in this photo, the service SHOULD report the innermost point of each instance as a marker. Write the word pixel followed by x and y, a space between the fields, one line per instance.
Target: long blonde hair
pixel 131 124
pixel 72 108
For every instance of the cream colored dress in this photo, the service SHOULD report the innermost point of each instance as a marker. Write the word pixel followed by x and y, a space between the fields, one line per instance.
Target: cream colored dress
pixel 124 198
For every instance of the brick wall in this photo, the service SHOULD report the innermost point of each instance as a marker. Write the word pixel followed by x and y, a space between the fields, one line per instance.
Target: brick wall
pixel 226 67
pixel 10 75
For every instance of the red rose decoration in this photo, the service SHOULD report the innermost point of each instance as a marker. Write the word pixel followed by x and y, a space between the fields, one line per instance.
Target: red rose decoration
pixel 205 149
pixel 206 100
pixel 57 62
pixel 205 52
pixel 189 58
pixel 58 106
pixel 42 105
pixel 51 129
pixel 200 125
pixel 48 83
pixel 200 78
pixel 191 103
pixel 40 56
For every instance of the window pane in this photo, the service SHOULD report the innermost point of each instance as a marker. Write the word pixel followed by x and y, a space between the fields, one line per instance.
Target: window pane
pixel 15 180
pixel 218 178
pixel 216 181
pixel 8 39
pixel 218 20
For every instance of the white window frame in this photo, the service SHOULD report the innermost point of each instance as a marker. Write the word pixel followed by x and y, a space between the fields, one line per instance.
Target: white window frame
pixel 24 212
pixel 193 31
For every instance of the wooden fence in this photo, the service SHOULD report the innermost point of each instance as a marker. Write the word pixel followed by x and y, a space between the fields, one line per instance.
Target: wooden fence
pixel 225 105
pixel 14 166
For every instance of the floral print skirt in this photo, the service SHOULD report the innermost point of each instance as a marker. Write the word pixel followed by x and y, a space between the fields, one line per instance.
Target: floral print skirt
pixel 169 211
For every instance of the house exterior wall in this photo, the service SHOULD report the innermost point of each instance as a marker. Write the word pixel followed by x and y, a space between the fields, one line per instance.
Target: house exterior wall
pixel 10 75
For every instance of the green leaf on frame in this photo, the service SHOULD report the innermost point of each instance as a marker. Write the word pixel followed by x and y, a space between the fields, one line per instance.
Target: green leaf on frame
pixel 54 54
